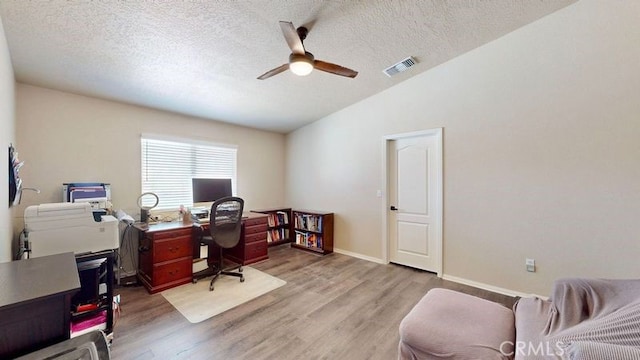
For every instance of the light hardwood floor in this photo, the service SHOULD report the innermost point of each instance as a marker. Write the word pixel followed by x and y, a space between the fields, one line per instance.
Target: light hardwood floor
pixel 332 307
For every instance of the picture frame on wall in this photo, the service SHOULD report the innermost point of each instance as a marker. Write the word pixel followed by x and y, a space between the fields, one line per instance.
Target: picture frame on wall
pixel 15 183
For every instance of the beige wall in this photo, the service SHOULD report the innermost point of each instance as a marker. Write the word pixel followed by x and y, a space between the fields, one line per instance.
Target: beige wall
pixel 71 138
pixel 541 152
pixel 7 137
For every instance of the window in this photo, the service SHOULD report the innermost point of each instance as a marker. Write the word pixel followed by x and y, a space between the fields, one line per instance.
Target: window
pixel 168 165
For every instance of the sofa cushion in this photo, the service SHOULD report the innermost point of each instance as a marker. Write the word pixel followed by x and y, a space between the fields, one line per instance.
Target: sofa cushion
pixel 447 324
pixel 583 319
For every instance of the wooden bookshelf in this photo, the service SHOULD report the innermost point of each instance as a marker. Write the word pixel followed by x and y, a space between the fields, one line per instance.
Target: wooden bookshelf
pixel 313 231
pixel 279 225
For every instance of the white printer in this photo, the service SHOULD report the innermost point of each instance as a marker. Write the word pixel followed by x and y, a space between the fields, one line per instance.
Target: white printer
pixel 62 227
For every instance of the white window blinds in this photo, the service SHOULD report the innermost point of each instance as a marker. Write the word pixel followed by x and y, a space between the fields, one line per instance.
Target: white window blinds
pixel 169 165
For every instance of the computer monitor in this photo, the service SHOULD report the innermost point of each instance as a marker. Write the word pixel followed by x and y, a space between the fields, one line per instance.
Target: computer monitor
pixel 210 190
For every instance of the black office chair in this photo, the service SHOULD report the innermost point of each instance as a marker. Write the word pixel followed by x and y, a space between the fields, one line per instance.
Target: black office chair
pixel 225 225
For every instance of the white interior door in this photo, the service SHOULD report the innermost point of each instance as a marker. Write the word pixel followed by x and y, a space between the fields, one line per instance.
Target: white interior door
pixel 415 200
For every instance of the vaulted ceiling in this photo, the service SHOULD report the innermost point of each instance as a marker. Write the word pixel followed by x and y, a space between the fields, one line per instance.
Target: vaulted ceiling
pixel 202 58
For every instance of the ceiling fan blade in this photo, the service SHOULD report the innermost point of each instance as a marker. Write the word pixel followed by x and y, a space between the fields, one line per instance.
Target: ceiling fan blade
pixel 275 71
pixel 334 69
pixel 291 35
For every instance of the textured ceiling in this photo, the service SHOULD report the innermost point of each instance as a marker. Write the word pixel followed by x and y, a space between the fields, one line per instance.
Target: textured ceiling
pixel 202 58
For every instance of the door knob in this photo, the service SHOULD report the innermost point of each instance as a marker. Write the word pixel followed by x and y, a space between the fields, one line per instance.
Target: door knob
pixel 393 208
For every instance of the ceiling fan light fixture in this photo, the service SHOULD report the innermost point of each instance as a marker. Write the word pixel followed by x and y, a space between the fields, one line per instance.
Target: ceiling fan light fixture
pixel 301 65
pixel 302 62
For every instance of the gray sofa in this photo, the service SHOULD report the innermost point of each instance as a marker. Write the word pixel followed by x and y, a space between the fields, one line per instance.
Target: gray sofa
pixel 583 319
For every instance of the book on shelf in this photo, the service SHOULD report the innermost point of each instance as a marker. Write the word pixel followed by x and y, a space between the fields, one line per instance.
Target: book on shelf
pixel 312 240
pixel 283 218
pixel 278 218
pixel 308 222
pixel 96 322
pixel 277 234
pixel 308 239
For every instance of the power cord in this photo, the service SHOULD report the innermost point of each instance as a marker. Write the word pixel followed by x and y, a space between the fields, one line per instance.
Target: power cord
pixel 127 252
pixel 23 245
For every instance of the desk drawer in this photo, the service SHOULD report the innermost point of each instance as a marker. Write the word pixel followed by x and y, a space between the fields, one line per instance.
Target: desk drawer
pixel 255 252
pixel 257 237
pixel 255 221
pixel 172 248
pixel 248 230
pixel 172 271
pixel 161 235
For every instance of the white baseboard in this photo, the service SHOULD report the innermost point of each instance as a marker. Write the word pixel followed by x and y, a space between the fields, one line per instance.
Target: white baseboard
pixel 495 289
pixel 359 256
pixel 476 284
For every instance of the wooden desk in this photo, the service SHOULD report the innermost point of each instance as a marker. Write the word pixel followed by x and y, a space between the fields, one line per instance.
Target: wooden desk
pixel 167 250
pixel 35 302
pixel 252 246
pixel 165 255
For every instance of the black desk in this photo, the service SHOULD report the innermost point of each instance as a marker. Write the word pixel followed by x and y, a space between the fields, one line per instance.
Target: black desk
pixel 35 297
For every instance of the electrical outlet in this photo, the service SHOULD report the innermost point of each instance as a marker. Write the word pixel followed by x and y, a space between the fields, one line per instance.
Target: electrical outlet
pixel 531 265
